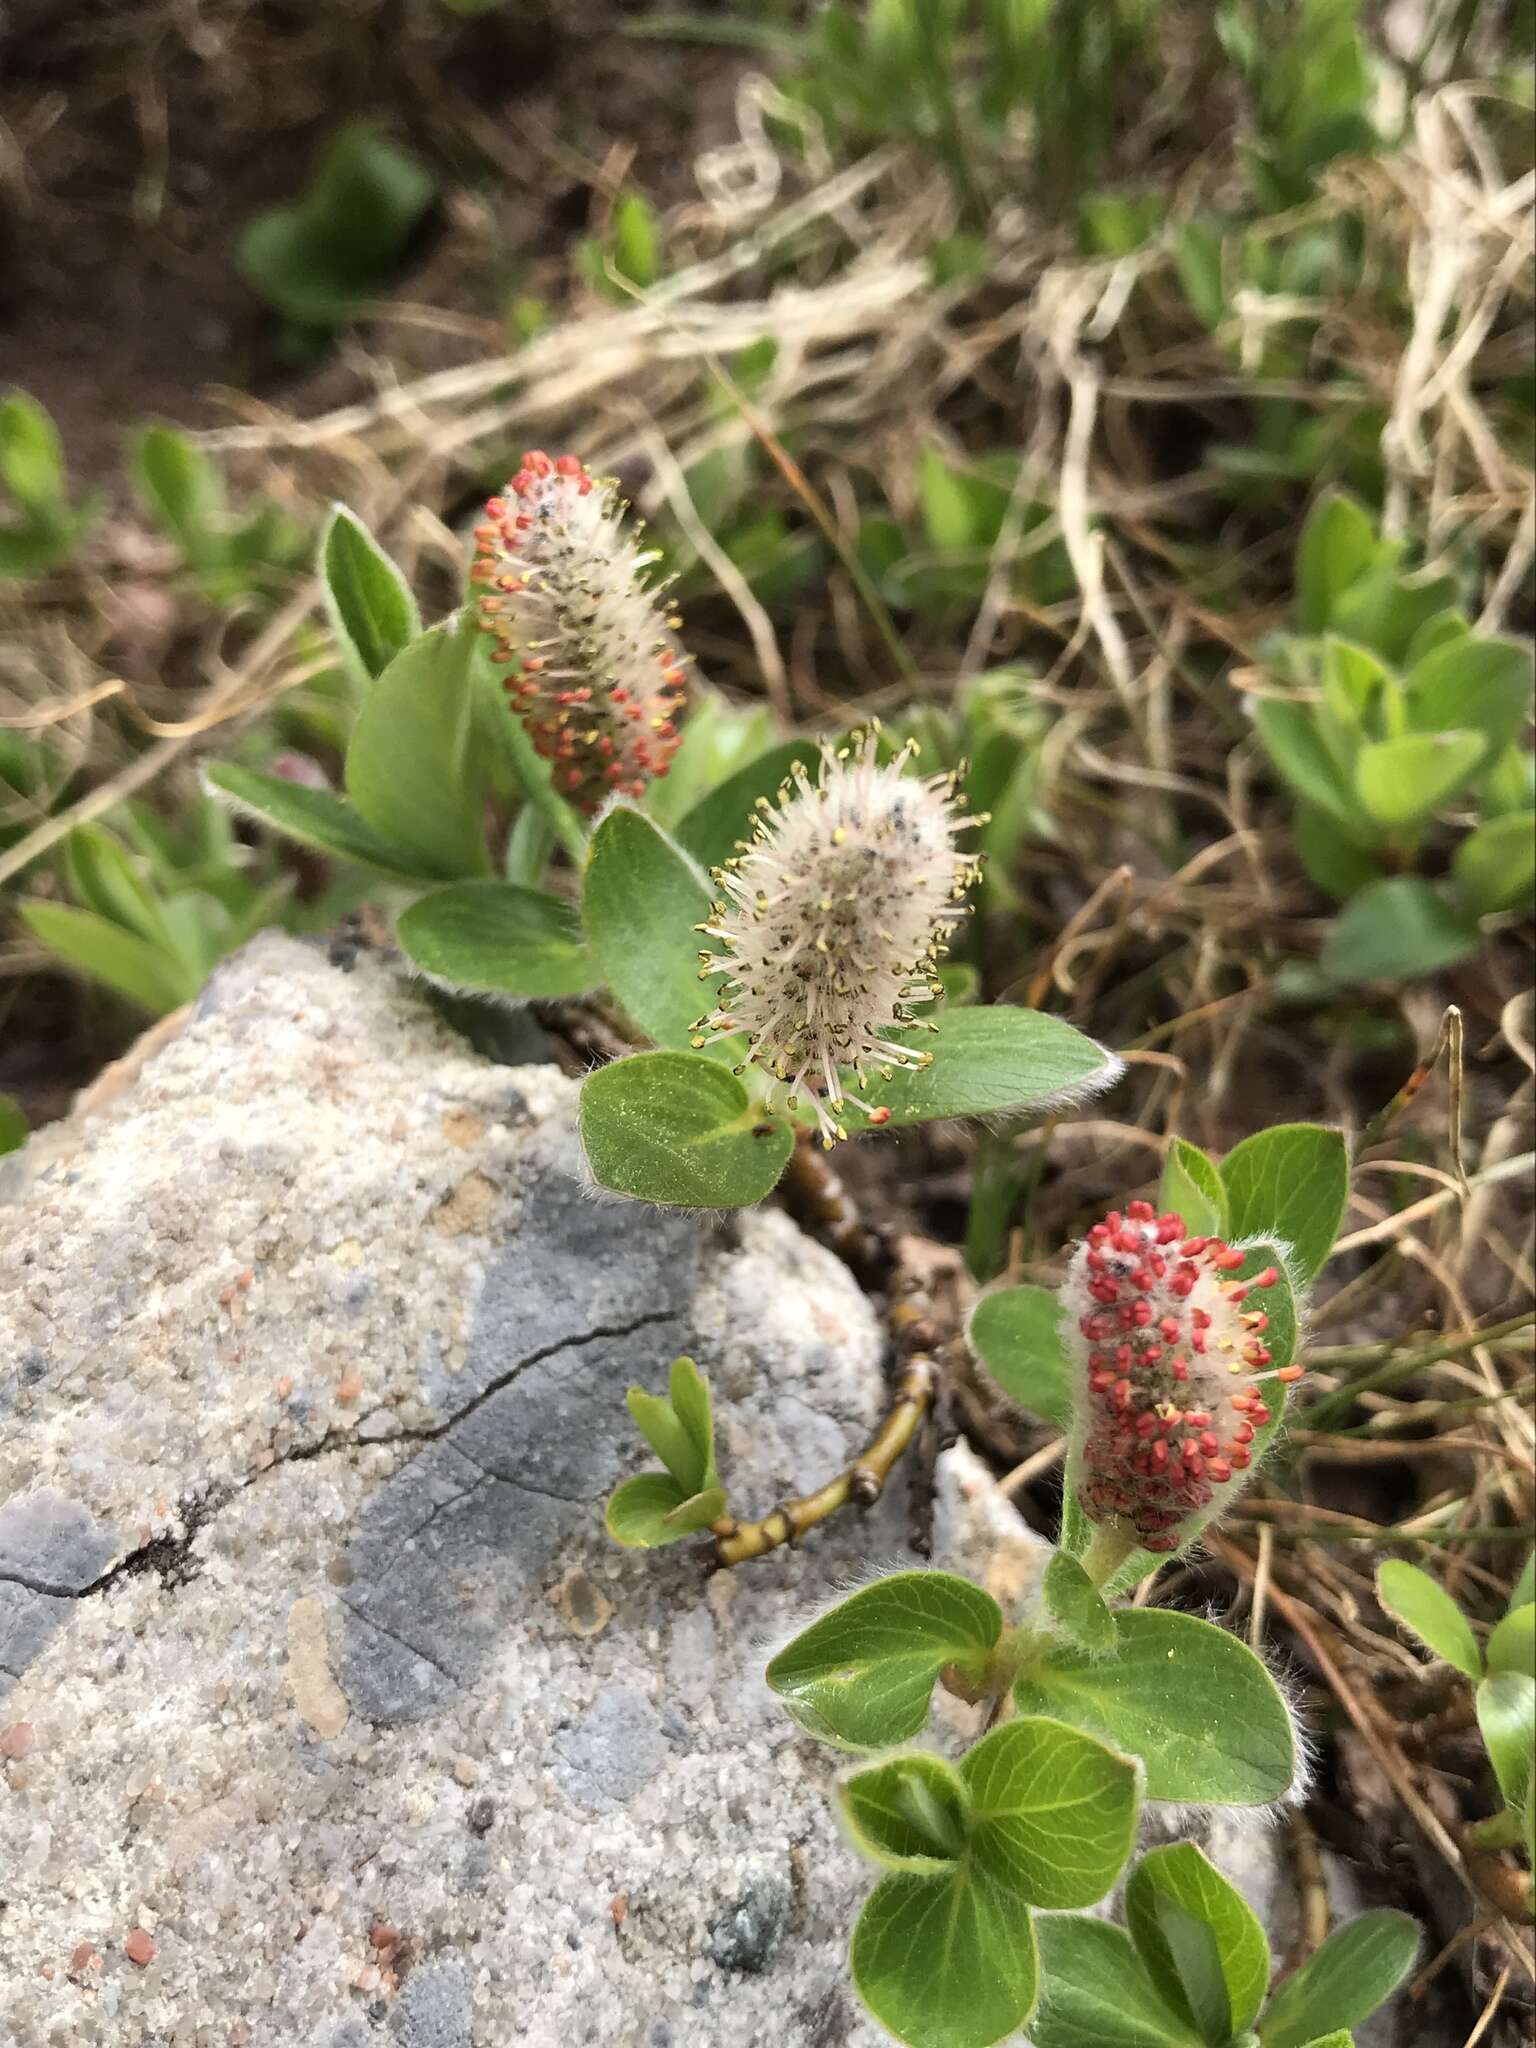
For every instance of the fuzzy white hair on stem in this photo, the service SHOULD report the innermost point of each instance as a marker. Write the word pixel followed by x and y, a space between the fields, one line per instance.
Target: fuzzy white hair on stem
pixel 834 918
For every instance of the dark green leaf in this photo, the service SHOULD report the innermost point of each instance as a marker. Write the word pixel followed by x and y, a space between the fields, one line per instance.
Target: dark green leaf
pixel 1215 1970
pixel 1016 1332
pixel 1294 743
pixel 183 490
pixel 1413 1598
pixel 1289 1184
pixel 863 1674
pixel 1191 1701
pixel 994 1061
pixel 908 1813
pixel 672 1128
pixel 641 902
pixel 497 937
pixel 312 816
pixel 1332 857
pixel 1395 931
pixel 1052 1812
pixel 367 600
pixel 1481 682
pixel 411 767
pixel 1357 1969
pixel 1098 1992
pixel 1494 868
pixel 945 1960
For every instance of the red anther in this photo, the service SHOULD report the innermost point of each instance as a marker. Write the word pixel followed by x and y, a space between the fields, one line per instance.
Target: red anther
pixel 523 483
pixel 1243 1434
pixel 567 465
pixel 1267 1278
pixel 1141 1314
pixel 1169 1327
pixel 1193 1246
pixel 1180 1371
pixel 1146 1423
pixel 1288 1373
pixel 1127 1241
pixel 1159 1455
pixel 1208 1443
pixel 1219 1470
pixel 1227 1260
pixel 1140 1212
pixel 880 1115
pixel 1122 1394
pixel 1257 1320
pixel 1151 1355
pixel 1113 1221
pixel 1143 1278
pixel 1182 1282
pixel 1194 1464
pixel 1169 1228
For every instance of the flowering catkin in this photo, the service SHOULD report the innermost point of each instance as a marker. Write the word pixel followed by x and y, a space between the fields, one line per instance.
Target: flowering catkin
pixel 835 917
pixel 1171 1362
pixel 593 669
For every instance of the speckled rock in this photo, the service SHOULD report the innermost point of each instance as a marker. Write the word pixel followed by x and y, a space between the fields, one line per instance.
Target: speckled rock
pixel 311 1387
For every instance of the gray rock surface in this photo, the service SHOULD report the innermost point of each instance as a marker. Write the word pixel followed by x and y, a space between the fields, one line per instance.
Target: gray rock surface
pixel 329 1717
pixel 312 1385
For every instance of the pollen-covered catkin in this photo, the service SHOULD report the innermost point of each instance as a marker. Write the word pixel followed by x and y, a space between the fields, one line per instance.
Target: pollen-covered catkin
pixel 593 668
pixel 1172 1367
pixel 834 919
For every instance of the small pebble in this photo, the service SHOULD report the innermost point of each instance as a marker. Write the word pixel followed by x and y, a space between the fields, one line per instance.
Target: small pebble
pixel 467 1772
pixel 16 1740
pixel 139 1948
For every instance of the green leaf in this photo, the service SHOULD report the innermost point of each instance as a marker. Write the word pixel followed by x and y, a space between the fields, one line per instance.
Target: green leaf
pixel 145 974
pixel 1385 610
pixel 312 816
pixel 1357 1969
pixel 1401 781
pixel 1192 1187
pixel 1191 1701
pixel 1337 545
pixel 1203 1947
pixel 500 938
pixel 688 1391
pixel 411 768
pixel 636 240
pixel 670 1127
pixel 14 1128
pixel 862 1675
pixel 1413 1598
pixel 709 832
pixel 1512 1646
pixel 1098 1993
pixel 667 1436
pixel 183 490
pixel 996 1061
pixel 1395 931
pixel 1052 1812
pixel 31 456
pixel 908 1813
pixel 1482 682
pixel 1016 1332
pixel 1525 1586
pixel 641 902
pixel 367 600
pixel 1072 1599
pixel 1506 1714
pixel 1353 678
pixel 652 1510
pixel 104 879
pixel 1289 1184
pixel 1332 857
pixel 1295 745
pixel 945 1960
pixel 1494 868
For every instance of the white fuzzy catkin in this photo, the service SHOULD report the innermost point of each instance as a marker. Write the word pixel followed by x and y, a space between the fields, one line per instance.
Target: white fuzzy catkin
pixel 834 919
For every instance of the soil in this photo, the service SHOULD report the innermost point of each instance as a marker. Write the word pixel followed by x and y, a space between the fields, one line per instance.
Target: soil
pixel 135 142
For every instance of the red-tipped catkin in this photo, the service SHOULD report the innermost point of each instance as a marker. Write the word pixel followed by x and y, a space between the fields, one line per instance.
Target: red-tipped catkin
pixel 1172 1365
pixel 593 669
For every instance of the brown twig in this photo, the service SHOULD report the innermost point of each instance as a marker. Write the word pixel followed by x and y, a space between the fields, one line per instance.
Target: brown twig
pixel 862 1482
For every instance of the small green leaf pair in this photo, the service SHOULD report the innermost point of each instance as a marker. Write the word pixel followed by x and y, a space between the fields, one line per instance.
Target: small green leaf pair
pixel 1037 1815
pixel 1191 1969
pixel 1190 1701
pixel 657 1508
pixel 1504 1675
pixel 43 524
pixel 184 494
